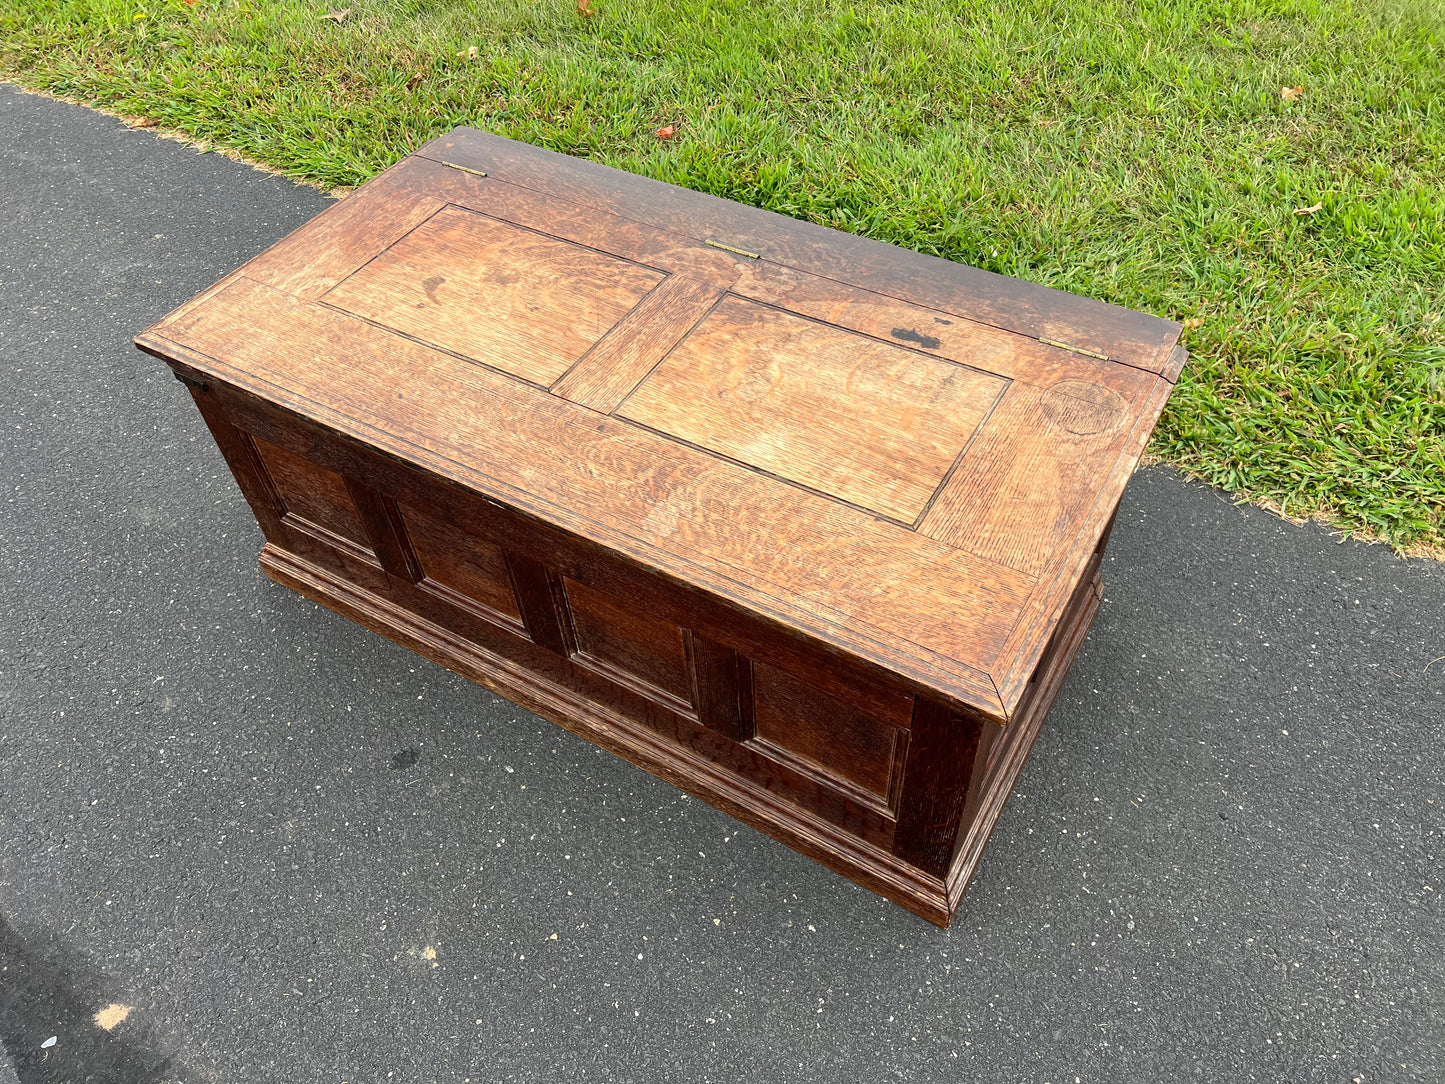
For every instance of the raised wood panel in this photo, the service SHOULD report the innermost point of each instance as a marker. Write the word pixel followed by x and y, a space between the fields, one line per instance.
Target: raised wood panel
pixel 639 645
pixel 937 331
pixel 722 686
pixel 865 421
pixel 312 493
pixel 508 297
pixel 474 569
pixel 828 733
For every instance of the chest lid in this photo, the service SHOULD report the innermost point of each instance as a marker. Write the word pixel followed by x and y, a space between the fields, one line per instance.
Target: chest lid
pixel 908 459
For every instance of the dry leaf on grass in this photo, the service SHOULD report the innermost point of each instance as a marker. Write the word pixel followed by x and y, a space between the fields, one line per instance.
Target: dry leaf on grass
pixel 1194 321
pixel 337 15
pixel 1289 94
pixel 666 133
pixel 1308 210
pixel 144 122
pixel 414 81
pixel 584 9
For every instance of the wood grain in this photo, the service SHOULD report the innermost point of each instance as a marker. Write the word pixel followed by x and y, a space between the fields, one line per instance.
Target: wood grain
pixel 312 492
pixel 321 253
pixel 869 423
pixel 928 602
pixel 828 733
pixel 510 298
pixel 936 331
pixel 945 753
pixel 718 676
pixel 617 364
pixel 1041 614
pixel 475 570
pixel 627 638
pixel 1022 491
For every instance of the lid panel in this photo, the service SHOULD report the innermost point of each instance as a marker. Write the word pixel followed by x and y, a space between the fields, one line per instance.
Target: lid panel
pixel 508 297
pixel 864 421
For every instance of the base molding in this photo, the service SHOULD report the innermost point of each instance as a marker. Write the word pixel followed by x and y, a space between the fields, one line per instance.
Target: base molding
pixel 930 897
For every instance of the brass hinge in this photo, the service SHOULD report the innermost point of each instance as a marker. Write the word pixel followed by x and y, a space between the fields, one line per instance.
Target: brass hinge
pixel 1074 349
pixel 464 169
pixel 734 251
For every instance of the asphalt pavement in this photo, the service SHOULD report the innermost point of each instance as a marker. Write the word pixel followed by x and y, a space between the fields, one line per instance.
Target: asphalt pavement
pixel 242 839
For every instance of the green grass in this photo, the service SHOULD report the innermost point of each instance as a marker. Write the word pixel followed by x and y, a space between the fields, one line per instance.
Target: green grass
pixel 1136 152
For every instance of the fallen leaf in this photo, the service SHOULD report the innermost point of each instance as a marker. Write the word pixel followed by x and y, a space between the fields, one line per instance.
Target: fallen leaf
pixel 1308 210
pixel 112 1015
pixel 414 81
pixel 1289 94
pixel 144 122
pixel 584 9
pixel 139 16
pixel 666 133
pixel 1194 321
pixel 337 15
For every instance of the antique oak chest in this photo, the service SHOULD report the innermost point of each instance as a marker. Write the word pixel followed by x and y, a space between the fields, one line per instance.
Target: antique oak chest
pixel 808 525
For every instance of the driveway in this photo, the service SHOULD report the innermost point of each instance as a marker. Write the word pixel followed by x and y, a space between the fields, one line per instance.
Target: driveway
pixel 275 847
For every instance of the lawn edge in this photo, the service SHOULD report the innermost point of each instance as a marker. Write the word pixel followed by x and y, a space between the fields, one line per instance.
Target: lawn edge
pixel 1324 516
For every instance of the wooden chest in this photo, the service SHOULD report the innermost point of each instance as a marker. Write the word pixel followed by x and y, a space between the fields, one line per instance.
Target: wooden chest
pixel 808 525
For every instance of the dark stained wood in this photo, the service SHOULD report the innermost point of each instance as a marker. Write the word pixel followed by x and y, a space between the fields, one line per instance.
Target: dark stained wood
pixel 719 674
pixel 382 519
pixel 239 449
pixel 474 569
pixel 636 645
pixel 538 604
pixel 946 749
pixel 804 524
pixel 801 721
pixel 312 493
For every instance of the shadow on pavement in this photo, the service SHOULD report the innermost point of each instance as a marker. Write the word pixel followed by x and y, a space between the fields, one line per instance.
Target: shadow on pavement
pixel 43 994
